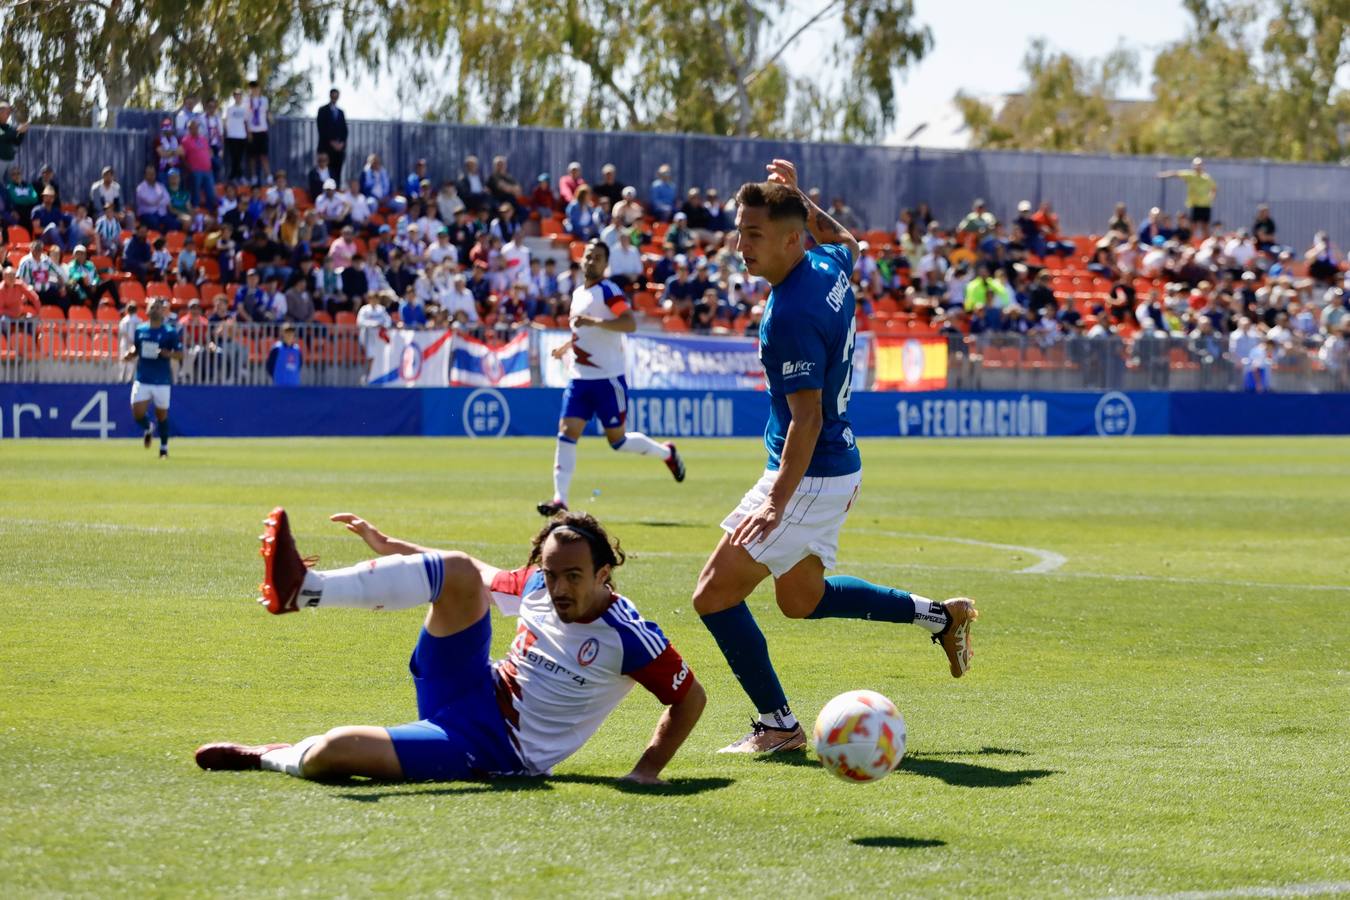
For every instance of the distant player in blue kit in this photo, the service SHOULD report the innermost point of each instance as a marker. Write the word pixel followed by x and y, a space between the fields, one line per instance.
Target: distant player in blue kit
pixel 598 386
pixel 787 526
pixel 155 343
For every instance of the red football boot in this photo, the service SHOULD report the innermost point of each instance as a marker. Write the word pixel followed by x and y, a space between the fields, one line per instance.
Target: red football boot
pixel 283 569
pixel 234 757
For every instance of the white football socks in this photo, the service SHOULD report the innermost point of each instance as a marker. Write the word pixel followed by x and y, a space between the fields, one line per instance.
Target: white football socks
pixel 389 582
pixel 564 465
pixel 289 760
pixel 637 442
pixel 929 614
pixel 779 718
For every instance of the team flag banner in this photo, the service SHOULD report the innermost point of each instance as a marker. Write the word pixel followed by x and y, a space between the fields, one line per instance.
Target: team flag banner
pixel 911 364
pixel 411 359
pixel 690 363
pixel 475 364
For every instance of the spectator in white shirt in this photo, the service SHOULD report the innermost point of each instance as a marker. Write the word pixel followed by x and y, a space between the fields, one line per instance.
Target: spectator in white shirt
pixel 332 206
pixel 372 318
pixel 625 264
pixel 106 190
pixel 236 136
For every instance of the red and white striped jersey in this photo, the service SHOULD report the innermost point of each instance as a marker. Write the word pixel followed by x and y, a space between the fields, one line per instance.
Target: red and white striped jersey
pixel 559 681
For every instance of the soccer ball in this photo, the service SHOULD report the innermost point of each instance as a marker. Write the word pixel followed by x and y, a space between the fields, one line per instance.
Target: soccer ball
pixel 860 736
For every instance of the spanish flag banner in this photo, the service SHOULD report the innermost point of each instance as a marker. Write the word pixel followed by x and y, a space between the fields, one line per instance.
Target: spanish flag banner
pixel 911 364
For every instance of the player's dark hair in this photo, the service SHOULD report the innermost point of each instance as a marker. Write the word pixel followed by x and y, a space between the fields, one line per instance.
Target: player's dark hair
pixel 598 244
pixel 568 527
pixel 781 201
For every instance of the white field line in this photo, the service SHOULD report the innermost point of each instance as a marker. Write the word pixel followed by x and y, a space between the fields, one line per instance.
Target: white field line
pixel 1310 889
pixel 1049 560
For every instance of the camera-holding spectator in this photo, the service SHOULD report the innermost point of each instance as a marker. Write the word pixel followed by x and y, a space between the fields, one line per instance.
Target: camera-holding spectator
pixel 331 122
pixel 198 162
pixel 259 135
pixel 663 194
pixel 11 135
pixel 1201 189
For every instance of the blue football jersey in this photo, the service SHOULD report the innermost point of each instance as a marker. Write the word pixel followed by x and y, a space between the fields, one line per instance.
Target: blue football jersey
pixel 806 343
pixel 151 342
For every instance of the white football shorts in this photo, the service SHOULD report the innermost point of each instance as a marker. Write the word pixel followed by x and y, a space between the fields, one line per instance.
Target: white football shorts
pixel 810 524
pixel 155 393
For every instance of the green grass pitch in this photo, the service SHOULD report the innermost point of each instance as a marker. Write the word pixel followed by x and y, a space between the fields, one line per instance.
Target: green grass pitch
pixel 1167 710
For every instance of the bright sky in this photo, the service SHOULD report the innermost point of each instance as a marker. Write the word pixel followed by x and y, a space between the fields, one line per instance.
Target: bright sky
pixel 978 47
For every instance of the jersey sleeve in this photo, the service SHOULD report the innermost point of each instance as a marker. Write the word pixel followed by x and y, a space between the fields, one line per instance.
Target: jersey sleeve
pixel 614 298
pixel 509 585
pixel 838 254
pixel 667 676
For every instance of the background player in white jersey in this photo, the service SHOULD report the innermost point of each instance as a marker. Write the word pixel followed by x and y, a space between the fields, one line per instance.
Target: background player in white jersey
pixel 579 648
pixel 787 526
pixel 598 387
pixel 153 345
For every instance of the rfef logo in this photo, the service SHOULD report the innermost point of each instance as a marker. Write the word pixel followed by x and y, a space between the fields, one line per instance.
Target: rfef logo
pixel 1114 416
pixel 486 413
pixel 588 651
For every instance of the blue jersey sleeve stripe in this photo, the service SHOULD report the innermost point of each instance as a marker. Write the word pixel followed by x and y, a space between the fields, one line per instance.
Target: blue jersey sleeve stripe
pixel 648 632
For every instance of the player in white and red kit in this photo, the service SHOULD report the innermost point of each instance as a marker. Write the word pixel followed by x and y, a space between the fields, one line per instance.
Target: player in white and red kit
pixel 579 648
pixel 598 386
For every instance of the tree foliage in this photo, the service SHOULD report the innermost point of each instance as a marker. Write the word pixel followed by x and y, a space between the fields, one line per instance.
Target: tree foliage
pixel 713 66
pixel 1251 78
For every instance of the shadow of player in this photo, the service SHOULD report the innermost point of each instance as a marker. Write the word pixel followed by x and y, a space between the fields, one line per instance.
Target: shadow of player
pixel 896 842
pixel 375 791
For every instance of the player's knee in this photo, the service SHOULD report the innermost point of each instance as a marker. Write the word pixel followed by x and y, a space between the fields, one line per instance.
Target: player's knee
pixel 795 605
pixel 461 576
pixel 617 444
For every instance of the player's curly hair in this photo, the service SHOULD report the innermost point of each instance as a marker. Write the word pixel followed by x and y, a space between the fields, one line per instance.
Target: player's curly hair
pixel 579 526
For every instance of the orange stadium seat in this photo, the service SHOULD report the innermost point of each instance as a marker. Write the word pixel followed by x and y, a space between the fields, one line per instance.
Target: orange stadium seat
pixel 131 290
pixel 52 313
pixel 80 314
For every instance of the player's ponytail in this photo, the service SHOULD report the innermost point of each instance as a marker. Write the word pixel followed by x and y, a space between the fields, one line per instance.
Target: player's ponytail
pixel 580 526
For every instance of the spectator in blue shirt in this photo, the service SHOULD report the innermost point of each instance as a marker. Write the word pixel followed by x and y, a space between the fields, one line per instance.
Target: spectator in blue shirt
pixel 375 181
pixel 412 185
pixel 285 359
pixel 581 218
pixel 411 313
pixel 662 195
pixel 137 252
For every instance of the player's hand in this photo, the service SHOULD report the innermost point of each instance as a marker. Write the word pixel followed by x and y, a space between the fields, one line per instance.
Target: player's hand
pixel 562 350
pixel 583 321
pixel 783 172
pixel 757 526
pixel 358 526
pixel 636 777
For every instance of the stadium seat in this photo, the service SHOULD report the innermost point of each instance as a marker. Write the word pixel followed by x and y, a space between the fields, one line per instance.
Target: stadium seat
pixel 545 321
pixel 675 324
pixel 550 227
pixel 159 289
pixel 345 318
pixel 131 290
pixel 210 268
pixel 19 235
pixel 576 249
pixel 174 240
pixel 102 264
pixel 80 314
pixel 321 317
pixel 185 292
pixel 52 313
pixel 208 292
pixel 302 198
pixel 107 313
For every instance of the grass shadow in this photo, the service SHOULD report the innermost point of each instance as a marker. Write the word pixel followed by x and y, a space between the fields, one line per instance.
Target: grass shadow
pixel 896 842
pixel 983 751
pixel 961 774
pixel 790 758
pixel 375 791
pixel 661 523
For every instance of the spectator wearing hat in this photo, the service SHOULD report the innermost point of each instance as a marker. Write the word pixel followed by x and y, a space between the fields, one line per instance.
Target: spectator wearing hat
pixel 472 190
pixel 46 178
pixel 610 187
pixel 82 279
pixel 197 161
pixel 47 212
pixel 678 235
pixel 285 359
pixel 1201 189
pixel 662 194
pixel 331 122
pixel 542 198
pixel 628 211
pixel 168 151
pixel 332 207
pixel 572 182
pixel 106 191
pixel 11 135
pixel 505 226
pixel 20 198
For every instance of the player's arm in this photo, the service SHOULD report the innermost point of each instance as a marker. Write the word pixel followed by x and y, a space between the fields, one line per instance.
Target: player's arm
pixel 133 352
pixel 377 540
pixel 672 681
pixel 624 322
pixel 824 229
pixel 808 416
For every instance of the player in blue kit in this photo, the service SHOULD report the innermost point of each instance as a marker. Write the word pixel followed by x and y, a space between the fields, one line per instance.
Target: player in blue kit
pixel 787 526
pixel 155 343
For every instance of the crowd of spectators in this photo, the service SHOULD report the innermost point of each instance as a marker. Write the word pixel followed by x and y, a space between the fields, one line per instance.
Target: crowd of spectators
pixel 431 248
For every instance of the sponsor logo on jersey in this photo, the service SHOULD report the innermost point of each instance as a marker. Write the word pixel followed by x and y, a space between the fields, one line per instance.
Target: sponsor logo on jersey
pixel 680 676
pixel 588 651
pixel 800 367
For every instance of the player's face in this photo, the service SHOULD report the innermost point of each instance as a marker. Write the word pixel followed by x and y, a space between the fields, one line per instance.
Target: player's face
pixel 594 262
pixel 766 245
pixel 576 589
